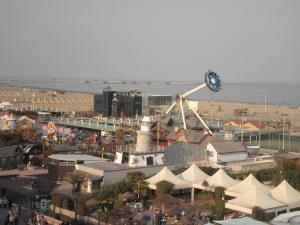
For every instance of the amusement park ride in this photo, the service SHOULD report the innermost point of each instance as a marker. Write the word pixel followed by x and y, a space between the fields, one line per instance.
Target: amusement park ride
pixel 212 81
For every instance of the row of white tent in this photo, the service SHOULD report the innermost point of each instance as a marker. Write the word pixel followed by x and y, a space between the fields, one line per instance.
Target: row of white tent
pixel 247 194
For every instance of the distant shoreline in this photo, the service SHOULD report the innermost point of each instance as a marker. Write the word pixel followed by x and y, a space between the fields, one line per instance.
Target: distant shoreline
pixel 34 87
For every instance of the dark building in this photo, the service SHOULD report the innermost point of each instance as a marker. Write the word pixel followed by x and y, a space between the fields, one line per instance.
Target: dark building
pixel 125 103
pixel 10 157
pixel 155 104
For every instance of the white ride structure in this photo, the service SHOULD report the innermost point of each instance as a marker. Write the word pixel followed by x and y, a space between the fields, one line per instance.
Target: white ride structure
pixel 212 81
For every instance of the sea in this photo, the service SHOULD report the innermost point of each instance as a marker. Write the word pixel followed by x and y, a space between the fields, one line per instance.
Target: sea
pixel 257 93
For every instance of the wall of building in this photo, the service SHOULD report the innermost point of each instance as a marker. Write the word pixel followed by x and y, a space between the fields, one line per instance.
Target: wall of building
pixel 181 153
pixel 141 160
pixel 232 157
pixel 214 156
pixel 60 172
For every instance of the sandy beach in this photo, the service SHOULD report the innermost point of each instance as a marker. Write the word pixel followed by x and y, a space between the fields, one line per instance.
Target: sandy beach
pixel 67 101
pixel 258 111
pixel 47 100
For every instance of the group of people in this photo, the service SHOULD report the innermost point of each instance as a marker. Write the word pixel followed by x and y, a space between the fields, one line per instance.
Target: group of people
pixel 162 218
pixel 37 219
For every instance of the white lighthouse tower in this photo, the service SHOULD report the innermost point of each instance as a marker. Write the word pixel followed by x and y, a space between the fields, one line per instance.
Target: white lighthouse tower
pixel 144 136
pixel 143 154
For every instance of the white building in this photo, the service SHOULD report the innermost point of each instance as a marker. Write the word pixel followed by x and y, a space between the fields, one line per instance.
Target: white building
pixel 225 152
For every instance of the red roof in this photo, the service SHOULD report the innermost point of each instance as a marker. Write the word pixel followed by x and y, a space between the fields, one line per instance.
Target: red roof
pixel 257 123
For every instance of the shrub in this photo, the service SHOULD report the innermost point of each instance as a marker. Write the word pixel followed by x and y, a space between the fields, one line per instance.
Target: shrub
pixel 219 210
pixel 258 213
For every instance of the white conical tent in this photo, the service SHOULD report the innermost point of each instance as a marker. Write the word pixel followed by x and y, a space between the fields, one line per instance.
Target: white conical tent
pixel 166 175
pixel 246 202
pixel 285 193
pixel 219 179
pixel 193 174
pixel 244 186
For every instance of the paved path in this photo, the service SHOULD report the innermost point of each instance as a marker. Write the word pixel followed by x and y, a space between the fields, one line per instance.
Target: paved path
pixel 25 172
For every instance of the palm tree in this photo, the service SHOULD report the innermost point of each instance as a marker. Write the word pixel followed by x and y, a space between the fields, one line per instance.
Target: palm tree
pixel 141 189
pixel 207 188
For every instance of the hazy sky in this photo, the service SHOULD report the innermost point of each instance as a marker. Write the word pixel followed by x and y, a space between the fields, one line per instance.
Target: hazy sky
pixel 242 40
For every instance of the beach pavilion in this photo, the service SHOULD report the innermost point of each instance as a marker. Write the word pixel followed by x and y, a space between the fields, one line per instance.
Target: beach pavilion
pixel 255 198
pixel 244 186
pixel 286 194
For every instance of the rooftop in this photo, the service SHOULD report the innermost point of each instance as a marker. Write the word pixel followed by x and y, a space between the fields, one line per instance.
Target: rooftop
pixel 76 157
pixel 224 146
pixel 289 155
pixel 106 166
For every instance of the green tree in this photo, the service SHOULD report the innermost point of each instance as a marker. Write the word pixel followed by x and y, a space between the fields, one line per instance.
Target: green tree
pixel 208 170
pixel 136 181
pixel 164 187
pixel 219 193
pixel 179 170
pixel 258 213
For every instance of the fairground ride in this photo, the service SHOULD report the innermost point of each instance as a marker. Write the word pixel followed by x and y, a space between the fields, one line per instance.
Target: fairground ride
pixel 212 81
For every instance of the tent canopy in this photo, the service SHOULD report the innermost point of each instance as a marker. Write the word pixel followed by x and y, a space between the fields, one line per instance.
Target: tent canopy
pixel 166 175
pixel 240 221
pixel 254 197
pixel 285 193
pixel 244 186
pixel 193 174
pixel 221 179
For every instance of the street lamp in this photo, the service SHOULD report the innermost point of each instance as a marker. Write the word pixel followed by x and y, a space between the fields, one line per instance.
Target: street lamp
pixel 283 129
pixel 33 95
